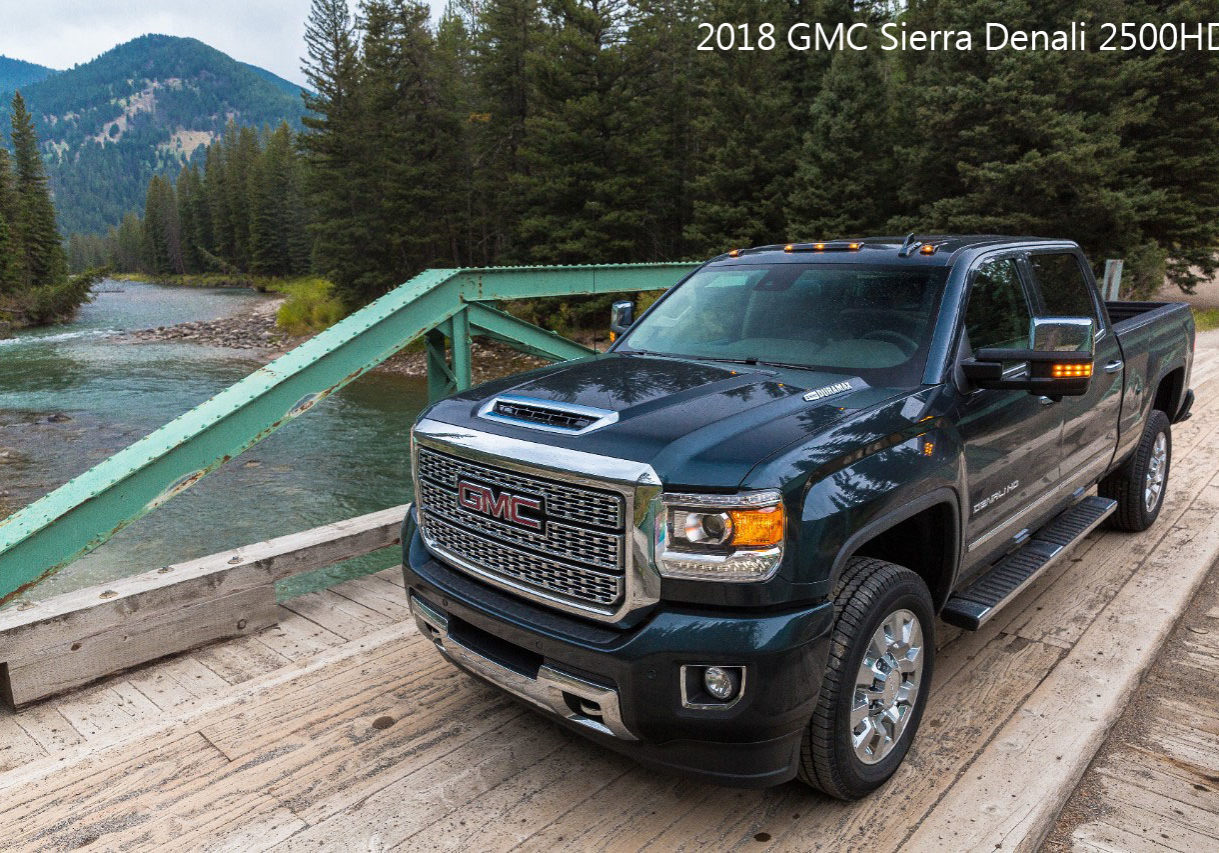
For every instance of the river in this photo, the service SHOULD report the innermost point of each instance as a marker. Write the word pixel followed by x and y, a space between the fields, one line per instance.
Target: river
pixel 71 395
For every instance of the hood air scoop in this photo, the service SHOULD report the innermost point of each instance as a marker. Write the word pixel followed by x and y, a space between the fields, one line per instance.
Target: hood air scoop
pixel 547 415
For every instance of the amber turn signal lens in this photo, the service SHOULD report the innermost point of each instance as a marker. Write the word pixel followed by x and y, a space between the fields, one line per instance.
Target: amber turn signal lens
pixel 735 253
pixel 928 249
pixel 1071 371
pixel 757 527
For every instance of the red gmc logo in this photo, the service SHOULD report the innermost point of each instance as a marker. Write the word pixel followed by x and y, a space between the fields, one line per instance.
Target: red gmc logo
pixel 482 499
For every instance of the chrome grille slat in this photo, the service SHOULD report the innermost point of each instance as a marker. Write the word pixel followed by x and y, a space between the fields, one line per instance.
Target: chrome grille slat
pixel 560 540
pixel 580 584
pixel 578 556
pixel 585 506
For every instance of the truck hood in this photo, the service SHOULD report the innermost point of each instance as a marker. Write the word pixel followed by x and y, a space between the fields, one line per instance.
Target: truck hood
pixel 696 423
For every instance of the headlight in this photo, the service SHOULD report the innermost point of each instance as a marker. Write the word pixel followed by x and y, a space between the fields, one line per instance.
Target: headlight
pixel 733 538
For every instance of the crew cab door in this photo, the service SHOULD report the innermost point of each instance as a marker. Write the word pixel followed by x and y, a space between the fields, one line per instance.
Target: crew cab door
pixel 1011 437
pixel 1064 287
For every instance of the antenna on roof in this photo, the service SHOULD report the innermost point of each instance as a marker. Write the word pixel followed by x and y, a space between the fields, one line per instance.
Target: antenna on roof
pixel 908 246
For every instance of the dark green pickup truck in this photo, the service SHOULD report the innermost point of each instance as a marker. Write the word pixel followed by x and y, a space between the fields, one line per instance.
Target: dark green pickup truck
pixel 721 547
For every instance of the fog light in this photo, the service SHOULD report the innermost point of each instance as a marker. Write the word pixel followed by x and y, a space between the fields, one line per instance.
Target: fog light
pixel 720 683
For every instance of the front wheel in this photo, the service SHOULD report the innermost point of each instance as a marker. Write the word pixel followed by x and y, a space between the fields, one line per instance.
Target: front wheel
pixel 874 690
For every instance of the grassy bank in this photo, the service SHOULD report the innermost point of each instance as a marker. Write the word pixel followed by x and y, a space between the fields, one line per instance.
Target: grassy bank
pixel 1206 319
pixel 310 306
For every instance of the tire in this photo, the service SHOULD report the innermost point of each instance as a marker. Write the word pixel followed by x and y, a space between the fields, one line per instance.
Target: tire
pixel 1131 485
pixel 868 594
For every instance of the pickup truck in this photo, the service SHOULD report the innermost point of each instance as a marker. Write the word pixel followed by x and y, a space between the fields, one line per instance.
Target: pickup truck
pixel 721 547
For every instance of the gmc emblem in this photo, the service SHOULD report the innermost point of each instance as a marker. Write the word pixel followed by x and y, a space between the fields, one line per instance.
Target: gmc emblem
pixel 482 499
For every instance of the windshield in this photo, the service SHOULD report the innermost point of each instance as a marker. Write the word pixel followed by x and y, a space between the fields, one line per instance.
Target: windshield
pixel 874 322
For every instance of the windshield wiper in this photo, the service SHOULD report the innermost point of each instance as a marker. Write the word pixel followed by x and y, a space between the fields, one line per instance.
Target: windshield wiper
pixel 787 364
pixel 751 360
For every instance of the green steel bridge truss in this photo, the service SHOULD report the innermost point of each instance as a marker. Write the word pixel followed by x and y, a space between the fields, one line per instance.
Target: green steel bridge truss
pixel 444 307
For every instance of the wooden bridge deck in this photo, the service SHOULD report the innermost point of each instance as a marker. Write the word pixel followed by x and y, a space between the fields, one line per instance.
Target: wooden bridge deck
pixel 341 728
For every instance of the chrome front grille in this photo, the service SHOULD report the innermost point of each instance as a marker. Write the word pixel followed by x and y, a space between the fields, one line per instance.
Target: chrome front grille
pixel 577 556
pixel 569 503
pixel 577 583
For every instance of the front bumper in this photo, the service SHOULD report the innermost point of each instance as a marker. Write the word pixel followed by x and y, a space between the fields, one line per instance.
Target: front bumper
pixel 622 687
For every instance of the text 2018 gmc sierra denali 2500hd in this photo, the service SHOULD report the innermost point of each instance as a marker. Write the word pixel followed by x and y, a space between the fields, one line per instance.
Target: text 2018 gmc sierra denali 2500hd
pixel 721 546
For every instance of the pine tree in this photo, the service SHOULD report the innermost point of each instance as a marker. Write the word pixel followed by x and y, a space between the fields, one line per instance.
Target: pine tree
pixel 10 255
pixel 1013 142
pixel 42 262
pixel 746 154
pixel 844 180
pixel 1169 120
pixel 269 211
pixel 160 248
pixel 222 245
pixel 187 190
pixel 575 210
pixel 505 36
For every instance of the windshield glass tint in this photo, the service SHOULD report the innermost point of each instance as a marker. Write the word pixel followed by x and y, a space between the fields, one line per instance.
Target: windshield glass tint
pixel 874 322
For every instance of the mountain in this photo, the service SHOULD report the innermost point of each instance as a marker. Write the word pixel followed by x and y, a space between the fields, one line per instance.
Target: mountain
pixel 143 108
pixel 15 73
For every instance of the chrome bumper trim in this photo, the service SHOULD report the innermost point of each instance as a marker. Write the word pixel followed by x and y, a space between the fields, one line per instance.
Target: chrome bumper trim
pixel 546 691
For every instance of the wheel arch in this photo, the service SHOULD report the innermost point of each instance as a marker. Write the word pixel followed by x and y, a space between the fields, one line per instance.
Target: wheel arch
pixel 1170 391
pixel 923 535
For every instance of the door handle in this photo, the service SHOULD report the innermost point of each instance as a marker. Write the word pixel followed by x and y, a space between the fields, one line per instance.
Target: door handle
pixel 1114 366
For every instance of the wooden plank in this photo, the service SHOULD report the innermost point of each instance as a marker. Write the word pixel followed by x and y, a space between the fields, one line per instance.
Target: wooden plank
pixel 394 815
pixel 177 682
pixel 296 637
pixel 49 728
pixel 338 614
pixel 1061 726
pixel 73 639
pixel 94 803
pixel 16 745
pixel 108 708
pixel 1154 811
pixel 240 660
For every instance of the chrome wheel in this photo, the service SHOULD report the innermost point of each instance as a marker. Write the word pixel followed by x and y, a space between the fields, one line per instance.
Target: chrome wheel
pixel 1157 468
pixel 887 686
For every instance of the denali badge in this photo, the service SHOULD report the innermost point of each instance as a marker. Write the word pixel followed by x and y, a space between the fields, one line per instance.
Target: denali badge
pixel 481 498
pixel 995 497
pixel 828 391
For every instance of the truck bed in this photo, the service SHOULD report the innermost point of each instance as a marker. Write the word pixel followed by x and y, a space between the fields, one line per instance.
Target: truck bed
pixel 1128 315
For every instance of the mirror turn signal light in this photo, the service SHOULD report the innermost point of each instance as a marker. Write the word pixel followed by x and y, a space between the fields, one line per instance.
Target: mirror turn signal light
pixel 1071 371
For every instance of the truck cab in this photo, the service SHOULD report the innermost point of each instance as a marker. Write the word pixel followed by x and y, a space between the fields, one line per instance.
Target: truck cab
pixel 723 545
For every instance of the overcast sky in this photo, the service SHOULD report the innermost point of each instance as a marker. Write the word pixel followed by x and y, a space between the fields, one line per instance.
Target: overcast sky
pixel 63 33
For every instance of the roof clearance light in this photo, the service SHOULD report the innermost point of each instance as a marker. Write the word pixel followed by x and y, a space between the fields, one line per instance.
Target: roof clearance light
pixel 735 253
pixel 854 247
pixel 927 249
pixel 789 248
pixel 820 247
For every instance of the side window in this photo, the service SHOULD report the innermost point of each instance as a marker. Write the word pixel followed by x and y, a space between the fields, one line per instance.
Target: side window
pixel 998 313
pixel 1064 290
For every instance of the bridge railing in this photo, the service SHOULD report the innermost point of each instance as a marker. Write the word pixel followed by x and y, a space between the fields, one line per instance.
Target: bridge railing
pixel 442 306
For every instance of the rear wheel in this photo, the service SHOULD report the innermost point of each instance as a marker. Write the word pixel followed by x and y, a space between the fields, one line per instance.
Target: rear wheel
pixel 876 681
pixel 1139 485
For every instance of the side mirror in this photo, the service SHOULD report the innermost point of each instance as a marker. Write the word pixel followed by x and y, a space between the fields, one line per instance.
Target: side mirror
pixel 1058 364
pixel 622 315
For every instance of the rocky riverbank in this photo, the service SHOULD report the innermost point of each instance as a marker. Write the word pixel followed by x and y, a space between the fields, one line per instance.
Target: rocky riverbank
pixel 253 330
pixel 256 330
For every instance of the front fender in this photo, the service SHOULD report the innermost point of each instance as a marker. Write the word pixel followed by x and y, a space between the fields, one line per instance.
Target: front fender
pixel 846 509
